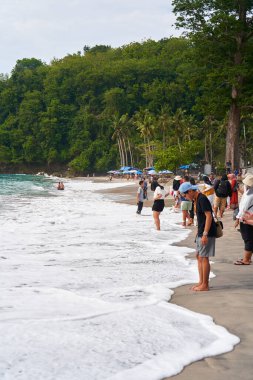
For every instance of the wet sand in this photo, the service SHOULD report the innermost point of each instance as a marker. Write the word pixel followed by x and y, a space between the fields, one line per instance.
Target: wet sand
pixel 229 300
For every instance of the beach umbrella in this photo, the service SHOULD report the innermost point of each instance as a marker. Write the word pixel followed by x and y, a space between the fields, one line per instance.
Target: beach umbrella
pixel 165 172
pixel 111 172
pixel 151 172
pixel 125 168
pixel 135 171
pixel 184 167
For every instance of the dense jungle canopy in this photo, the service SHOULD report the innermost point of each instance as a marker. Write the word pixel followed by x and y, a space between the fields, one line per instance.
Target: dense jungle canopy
pixel 167 102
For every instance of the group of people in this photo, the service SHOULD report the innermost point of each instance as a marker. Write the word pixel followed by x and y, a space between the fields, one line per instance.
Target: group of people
pixel 206 201
pixel 60 186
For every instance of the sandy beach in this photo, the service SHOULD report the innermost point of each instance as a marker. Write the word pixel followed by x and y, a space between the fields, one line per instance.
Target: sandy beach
pixel 229 300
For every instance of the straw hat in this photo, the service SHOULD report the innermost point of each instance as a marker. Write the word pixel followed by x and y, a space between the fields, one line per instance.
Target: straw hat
pixel 248 180
pixel 177 178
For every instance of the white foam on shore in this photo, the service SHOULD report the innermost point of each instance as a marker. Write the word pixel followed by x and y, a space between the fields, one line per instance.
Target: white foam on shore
pixel 84 290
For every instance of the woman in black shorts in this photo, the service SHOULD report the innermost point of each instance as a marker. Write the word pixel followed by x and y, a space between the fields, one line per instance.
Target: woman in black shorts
pixel 158 204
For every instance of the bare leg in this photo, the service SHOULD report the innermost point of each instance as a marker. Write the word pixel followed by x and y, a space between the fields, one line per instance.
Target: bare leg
pixel 200 272
pixel 247 257
pixel 185 216
pixel 221 212
pixel 205 270
pixel 215 210
pixel 156 219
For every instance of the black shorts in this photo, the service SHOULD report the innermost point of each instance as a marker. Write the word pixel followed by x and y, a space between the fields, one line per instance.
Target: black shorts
pixel 158 205
pixel 247 236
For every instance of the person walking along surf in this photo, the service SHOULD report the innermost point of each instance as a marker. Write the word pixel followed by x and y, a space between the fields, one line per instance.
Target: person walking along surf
pixel 205 239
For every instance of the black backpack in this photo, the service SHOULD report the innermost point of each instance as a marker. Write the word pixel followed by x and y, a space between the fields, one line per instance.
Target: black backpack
pixel 222 190
pixel 153 185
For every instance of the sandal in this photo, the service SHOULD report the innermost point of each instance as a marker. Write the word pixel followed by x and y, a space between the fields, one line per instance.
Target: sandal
pixel 240 262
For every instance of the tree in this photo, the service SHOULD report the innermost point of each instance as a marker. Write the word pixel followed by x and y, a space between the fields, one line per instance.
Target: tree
pixel 145 124
pixel 222 33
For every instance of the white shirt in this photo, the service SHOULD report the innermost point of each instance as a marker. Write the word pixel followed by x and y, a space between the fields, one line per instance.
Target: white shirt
pixel 246 202
pixel 159 191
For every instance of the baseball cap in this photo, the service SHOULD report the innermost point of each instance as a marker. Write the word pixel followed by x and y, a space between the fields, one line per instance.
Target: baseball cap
pixel 186 186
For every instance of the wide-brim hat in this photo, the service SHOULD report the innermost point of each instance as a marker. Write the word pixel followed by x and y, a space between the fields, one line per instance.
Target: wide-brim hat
pixel 177 178
pixel 248 180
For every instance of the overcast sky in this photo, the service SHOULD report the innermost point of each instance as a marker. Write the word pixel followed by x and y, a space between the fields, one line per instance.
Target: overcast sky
pixel 45 29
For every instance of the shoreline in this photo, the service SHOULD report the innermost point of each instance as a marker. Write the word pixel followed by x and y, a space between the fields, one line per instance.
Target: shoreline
pixel 229 301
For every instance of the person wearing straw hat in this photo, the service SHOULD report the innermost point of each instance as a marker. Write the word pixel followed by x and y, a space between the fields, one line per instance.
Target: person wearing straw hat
pixel 246 229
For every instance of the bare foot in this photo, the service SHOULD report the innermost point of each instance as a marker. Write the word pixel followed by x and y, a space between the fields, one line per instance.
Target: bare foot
pixel 201 288
pixel 195 286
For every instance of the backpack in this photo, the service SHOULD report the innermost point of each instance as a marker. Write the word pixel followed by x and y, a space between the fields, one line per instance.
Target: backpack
pixel 222 190
pixel 153 185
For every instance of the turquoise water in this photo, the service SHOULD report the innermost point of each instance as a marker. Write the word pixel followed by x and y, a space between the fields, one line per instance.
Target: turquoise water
pixel 26 185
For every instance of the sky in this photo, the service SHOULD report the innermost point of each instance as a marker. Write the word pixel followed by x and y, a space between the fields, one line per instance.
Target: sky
pixel 47 29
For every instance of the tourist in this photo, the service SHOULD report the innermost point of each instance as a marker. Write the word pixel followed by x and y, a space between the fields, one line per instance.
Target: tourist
pixel 186 206
pixel 175 186
pixel 145 189
pixel 246 229
pixel 191 212
pixel 140 197
pixel 158 205
pixel 233 199
pixel 60 186
pixel 205 239
pixel 208 189
pixel 222 190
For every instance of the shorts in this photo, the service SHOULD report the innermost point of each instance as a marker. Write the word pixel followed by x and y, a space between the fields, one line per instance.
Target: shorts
pixel 158 205
pixel 206 250
pixel 186 206
pixel 247 236
pixel 220 202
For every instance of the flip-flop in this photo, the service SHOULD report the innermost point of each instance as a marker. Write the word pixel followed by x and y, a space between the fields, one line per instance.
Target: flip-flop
pixel 239 262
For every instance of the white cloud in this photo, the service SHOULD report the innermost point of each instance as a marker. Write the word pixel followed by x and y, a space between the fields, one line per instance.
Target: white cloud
pixel 53 28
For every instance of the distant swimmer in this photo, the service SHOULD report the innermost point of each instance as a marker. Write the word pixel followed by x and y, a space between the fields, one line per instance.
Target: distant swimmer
pixel 60 186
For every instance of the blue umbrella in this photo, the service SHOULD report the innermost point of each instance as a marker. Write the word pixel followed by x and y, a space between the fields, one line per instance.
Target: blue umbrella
pixel 152 172
pixel 165 172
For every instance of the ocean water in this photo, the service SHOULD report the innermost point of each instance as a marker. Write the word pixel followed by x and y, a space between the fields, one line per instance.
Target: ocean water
pixel 85 284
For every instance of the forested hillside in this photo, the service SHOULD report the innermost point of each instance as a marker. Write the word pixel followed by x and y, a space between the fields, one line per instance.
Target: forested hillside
pixel 140 104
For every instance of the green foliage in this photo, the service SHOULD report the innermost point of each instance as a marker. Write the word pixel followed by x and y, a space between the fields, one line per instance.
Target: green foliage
pixel 143 102
pixel 172 157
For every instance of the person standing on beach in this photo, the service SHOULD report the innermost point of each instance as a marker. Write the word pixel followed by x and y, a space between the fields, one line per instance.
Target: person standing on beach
pixel 208 189
pixel 206 235
pixel 140 197
pixel 186 206
pixel 158 205
pixel 175 186
pixel 145 189
pixel 222 190
pixel 246 229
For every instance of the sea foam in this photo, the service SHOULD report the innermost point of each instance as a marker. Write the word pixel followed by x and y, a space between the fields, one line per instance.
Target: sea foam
pixel 85 284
